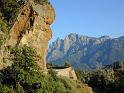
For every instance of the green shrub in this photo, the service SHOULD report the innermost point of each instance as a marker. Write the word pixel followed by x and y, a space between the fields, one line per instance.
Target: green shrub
pixel 24 76
pixel 3 24
pixel 41 1
pixel 109 79
pixel 67 64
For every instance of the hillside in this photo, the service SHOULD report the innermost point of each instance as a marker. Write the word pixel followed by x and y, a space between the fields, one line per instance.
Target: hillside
pixel 25 22
pixel 24 35
pixel 85 52
pixel 107 80
pixel 24 76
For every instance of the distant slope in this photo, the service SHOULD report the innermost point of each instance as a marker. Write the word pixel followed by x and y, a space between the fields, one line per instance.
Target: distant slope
pixel 85 52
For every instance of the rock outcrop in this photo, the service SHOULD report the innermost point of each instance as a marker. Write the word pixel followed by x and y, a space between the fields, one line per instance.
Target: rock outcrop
pixel 32 27
pixel 67 72
pixel 85 52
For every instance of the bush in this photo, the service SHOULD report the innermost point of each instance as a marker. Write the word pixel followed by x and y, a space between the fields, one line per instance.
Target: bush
pixel 24 76
pixel 41 1
pixel 67 64
pixel 109 79
pixel 24 58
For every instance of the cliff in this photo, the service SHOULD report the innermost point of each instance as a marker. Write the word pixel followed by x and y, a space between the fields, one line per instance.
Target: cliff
pixel 31 27
pixel 85 52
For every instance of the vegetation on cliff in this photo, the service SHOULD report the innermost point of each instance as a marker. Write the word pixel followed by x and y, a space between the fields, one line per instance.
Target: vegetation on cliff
pixel 9 10
pixel 24 76
pixel 42 1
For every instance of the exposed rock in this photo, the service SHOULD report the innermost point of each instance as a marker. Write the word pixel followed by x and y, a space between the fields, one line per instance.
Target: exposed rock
pixel 40 34
pixel 85 52
pixel 66 45
pixel 67 72
pixel 32 27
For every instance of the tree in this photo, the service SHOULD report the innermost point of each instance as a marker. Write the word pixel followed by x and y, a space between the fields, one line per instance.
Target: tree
pixel 67 64
pixel 41 1
pixel 24 76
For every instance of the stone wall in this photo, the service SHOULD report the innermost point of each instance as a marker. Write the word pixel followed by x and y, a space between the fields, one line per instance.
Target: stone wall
pixel 67 72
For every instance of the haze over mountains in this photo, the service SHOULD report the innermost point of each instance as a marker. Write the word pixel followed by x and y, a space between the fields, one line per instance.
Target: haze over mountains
pixel 85 52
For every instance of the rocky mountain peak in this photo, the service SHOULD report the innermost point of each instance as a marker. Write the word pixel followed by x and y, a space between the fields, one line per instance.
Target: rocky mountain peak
pixel 58 41
pixel 105 37
pixel 87 52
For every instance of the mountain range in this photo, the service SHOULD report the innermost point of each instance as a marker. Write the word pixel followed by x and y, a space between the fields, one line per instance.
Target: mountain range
pixel 85 52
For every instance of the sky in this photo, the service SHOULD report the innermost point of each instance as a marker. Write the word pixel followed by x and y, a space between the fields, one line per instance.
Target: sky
pixel 88 17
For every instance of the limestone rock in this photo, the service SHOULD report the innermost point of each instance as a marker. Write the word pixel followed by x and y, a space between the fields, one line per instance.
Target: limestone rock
pixel 39 35
pixel 32 27
pixel 67 72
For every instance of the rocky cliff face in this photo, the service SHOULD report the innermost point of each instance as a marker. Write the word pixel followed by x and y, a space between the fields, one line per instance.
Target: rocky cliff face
pixel 86 52
pixel 32 27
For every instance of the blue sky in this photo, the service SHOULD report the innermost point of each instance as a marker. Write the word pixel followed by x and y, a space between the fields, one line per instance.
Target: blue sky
pixel 88 17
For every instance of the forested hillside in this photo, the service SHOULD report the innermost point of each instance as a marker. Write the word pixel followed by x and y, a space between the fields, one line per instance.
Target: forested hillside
pixel 24 76
pixel 110 79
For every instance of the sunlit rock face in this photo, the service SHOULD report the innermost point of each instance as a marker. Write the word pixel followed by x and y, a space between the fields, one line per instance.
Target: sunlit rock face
pixel 67 72
pixel 32 28
pixel 40 33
